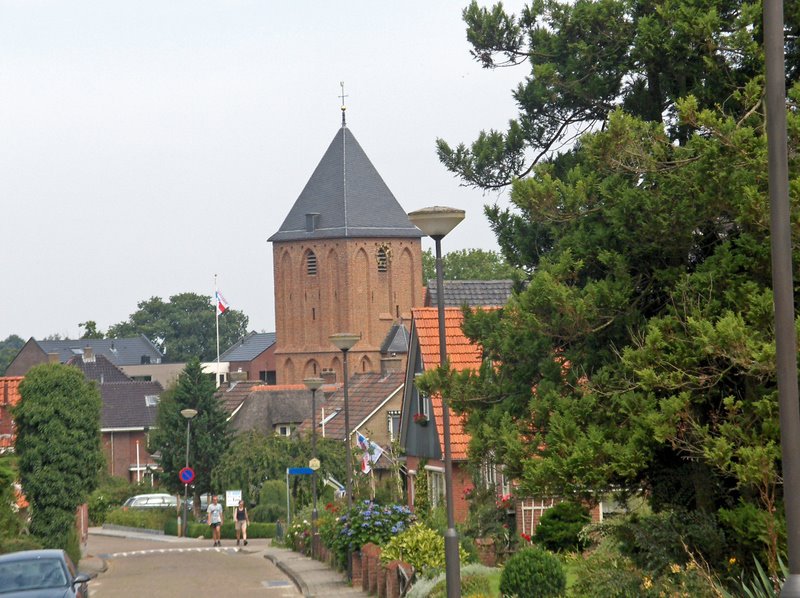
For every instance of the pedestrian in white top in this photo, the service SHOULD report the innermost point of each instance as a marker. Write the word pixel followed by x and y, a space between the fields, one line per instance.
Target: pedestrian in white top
pixel 215 519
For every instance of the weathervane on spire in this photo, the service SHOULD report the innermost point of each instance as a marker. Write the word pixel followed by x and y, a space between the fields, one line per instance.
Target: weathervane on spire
pixel 344 108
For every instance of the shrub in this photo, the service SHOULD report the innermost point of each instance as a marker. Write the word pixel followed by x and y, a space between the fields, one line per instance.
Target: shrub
pixel 533 573
pixel 560 526
pixel 472 586
pixel 655 542
pixel 608 574
pixel 365 522
pixel 421 547
pixel 422 588
pixel 18 543
pixel 141 518
pixel 111 493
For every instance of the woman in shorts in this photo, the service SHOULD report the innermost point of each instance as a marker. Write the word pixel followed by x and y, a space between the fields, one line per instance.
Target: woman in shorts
pixel 240 521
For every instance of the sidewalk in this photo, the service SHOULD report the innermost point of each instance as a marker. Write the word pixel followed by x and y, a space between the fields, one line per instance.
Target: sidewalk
pixel 312 578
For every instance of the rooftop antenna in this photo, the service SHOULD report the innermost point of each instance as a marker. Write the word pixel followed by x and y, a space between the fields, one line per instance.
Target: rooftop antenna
pixel 344 108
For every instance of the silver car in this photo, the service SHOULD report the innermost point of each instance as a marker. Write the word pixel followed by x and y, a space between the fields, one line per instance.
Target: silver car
pixel 151 501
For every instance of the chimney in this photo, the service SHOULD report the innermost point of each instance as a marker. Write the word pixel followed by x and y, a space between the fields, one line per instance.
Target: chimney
pixel 329 376
pixel 88 355
pixel 53 358
pixel 389 365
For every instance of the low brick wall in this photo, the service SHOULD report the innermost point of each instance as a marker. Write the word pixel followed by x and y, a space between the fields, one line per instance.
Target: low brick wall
pixel 368 573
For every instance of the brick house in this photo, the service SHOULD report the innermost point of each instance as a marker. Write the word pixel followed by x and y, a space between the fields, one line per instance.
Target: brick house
pixel 345 259
pixel 128 412
pixel 252 358
pixel 423 440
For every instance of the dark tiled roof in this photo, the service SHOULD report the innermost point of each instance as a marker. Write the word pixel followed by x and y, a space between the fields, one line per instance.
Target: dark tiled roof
pixel 233 394
pixel 474 293
pixel 264 409
pixel 124 404
pixel 366 392
pixel 396 340
pixel 120 351
pixel 250 347
pixel 350 198
pixel 98 368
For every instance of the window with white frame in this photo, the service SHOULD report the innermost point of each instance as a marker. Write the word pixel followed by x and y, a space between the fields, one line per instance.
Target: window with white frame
pixel 283 430
pixel 393 422
pixel 436 488
pixel 424 404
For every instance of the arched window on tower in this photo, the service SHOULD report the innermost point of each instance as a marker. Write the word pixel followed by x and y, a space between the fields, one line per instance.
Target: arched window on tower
pixel 311 263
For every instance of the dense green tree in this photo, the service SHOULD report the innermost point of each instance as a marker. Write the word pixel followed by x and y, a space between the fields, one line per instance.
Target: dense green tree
pixel 58 443
pixel 588 57
pixel 90 330
pixel 641 354
pixel 469 264
pixel 183 327
pixel 209 436
pixel 253 458
pixel 8 351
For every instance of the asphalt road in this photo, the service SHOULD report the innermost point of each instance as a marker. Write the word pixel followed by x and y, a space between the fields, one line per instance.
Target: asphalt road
pixel 155 568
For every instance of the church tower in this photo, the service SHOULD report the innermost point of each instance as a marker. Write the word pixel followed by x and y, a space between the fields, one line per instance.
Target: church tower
pixel 345 259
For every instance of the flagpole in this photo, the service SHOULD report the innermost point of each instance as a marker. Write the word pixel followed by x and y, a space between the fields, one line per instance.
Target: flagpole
pixel 216 312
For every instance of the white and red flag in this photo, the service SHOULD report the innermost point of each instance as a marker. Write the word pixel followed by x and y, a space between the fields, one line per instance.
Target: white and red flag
pixel 222 305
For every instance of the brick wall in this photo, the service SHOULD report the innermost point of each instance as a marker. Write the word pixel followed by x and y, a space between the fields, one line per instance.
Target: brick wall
pixel 120 452
pixel 347 294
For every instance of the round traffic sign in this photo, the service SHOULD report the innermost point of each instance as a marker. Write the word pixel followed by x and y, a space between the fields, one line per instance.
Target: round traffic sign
pixel 186 475
pixel 314 464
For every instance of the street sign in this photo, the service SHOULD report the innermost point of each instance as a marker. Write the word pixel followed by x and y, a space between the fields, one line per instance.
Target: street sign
pixel 232 498
pixel 186 475
pixel 299 471
pixel 313 464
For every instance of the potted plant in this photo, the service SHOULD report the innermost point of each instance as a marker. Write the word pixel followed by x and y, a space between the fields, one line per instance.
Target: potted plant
pixel 421 419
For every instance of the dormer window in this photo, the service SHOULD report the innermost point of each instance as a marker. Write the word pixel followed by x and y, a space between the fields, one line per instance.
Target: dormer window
pixel 311 263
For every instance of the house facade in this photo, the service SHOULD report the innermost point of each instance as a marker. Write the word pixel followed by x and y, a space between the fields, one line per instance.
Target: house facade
pixel 421 419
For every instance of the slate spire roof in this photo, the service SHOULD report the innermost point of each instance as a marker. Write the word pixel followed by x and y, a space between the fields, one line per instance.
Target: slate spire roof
pixel 345 198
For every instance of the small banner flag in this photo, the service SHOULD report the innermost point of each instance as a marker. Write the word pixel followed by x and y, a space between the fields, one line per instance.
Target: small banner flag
pixel 372 452
pixel 222 305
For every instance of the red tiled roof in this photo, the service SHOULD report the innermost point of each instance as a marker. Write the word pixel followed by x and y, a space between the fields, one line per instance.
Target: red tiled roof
pixel 9 390
pixel 462 355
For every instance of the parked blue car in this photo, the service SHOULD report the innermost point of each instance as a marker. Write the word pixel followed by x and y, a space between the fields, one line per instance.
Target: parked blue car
pixel 41 573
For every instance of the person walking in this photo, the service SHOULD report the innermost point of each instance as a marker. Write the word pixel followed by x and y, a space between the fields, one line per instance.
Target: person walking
pixel 241 521
pixel 215 519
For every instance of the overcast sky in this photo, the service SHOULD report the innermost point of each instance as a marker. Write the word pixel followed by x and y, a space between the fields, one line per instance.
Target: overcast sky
pixel 146 146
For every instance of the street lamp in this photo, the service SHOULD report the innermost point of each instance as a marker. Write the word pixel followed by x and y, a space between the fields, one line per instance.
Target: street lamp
pixel 313 385
pixel 188 414
pixel 782 283
pixel 436 222
pixel 345 341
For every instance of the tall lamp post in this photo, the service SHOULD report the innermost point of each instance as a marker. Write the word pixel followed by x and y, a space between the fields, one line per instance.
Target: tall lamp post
pixel 782 283
pixel 436 222
pixel 313 385
pixel 188 414
pixel 345 341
